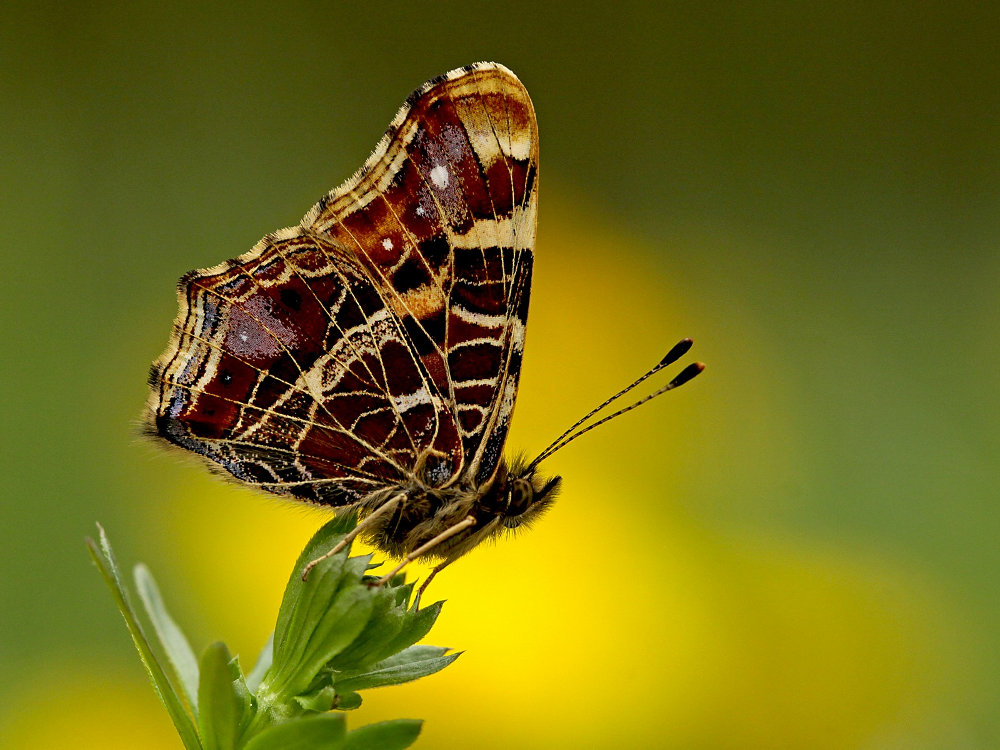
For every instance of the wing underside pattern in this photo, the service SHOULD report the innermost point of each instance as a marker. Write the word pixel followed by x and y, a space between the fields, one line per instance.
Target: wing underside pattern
pixel 383 333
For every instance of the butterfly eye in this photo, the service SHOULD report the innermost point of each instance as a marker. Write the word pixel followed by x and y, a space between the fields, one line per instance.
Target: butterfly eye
pixel 521 495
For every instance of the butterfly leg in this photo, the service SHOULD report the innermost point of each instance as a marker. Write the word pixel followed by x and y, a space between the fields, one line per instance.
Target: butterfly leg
pixel 427 546
pixel 386 507
pixel 430 577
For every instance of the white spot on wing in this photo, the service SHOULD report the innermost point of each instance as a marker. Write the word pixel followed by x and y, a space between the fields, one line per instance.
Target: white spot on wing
pixel 479 319
pixel 440 177
pixel 407 402
pixel 387 243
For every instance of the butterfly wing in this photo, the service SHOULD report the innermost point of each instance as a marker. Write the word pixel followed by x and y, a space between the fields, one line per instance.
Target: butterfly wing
pixel 443 217
pixel 282 369
pixel 384 330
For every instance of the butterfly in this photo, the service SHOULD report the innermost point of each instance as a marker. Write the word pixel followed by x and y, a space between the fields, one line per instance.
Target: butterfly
pixel 367 359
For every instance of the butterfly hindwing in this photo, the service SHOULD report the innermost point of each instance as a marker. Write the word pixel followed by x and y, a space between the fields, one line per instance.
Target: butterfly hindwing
pixel 274 374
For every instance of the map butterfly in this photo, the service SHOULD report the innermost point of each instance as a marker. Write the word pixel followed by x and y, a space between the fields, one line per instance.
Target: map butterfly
pixel 368 358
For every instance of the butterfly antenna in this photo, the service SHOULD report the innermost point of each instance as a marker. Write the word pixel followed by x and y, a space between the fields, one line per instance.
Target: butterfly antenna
pixel 679 350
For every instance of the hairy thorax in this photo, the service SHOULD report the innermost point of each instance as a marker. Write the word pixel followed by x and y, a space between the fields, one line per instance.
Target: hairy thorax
pixel 422 512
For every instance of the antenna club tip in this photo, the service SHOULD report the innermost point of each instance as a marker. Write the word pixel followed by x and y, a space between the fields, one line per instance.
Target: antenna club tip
pixel 687 373
pixel 676 352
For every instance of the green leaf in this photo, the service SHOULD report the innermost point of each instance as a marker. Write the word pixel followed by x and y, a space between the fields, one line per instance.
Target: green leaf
pixel 295 619
pixel 175 644
pixel 313 732
pixel 416 625
pixel 104 558
pixel 348 701
pixel 306 607
pixel 403 593
pixel 388 633
pixel 384 624
pixel 223 700
pixel 336 628
pixel 334 607
pixel 411 664
pixel 264 659
pixel 385 735
pixel 320 700
pixel 322 542
pixel 337 633
pixel 414 654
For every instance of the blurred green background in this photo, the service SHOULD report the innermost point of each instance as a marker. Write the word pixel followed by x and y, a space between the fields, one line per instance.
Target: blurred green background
pixel 798 550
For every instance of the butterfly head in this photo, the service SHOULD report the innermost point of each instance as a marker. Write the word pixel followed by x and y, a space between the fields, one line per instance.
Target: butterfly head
pixel 520 494
pixel 524 495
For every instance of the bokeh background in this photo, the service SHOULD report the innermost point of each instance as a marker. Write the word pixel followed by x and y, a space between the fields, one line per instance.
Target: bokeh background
pixel 797 550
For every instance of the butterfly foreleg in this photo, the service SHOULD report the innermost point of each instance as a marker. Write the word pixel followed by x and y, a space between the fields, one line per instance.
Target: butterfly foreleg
pixel 430 577
pixel 386 507
pixel 423 549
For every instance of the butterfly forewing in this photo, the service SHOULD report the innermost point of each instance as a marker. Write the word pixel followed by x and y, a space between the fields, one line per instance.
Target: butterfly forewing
pixel 386 330
pixel 443 216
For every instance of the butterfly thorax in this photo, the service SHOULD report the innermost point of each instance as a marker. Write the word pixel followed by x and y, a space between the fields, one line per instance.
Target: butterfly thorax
pixel 511 499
